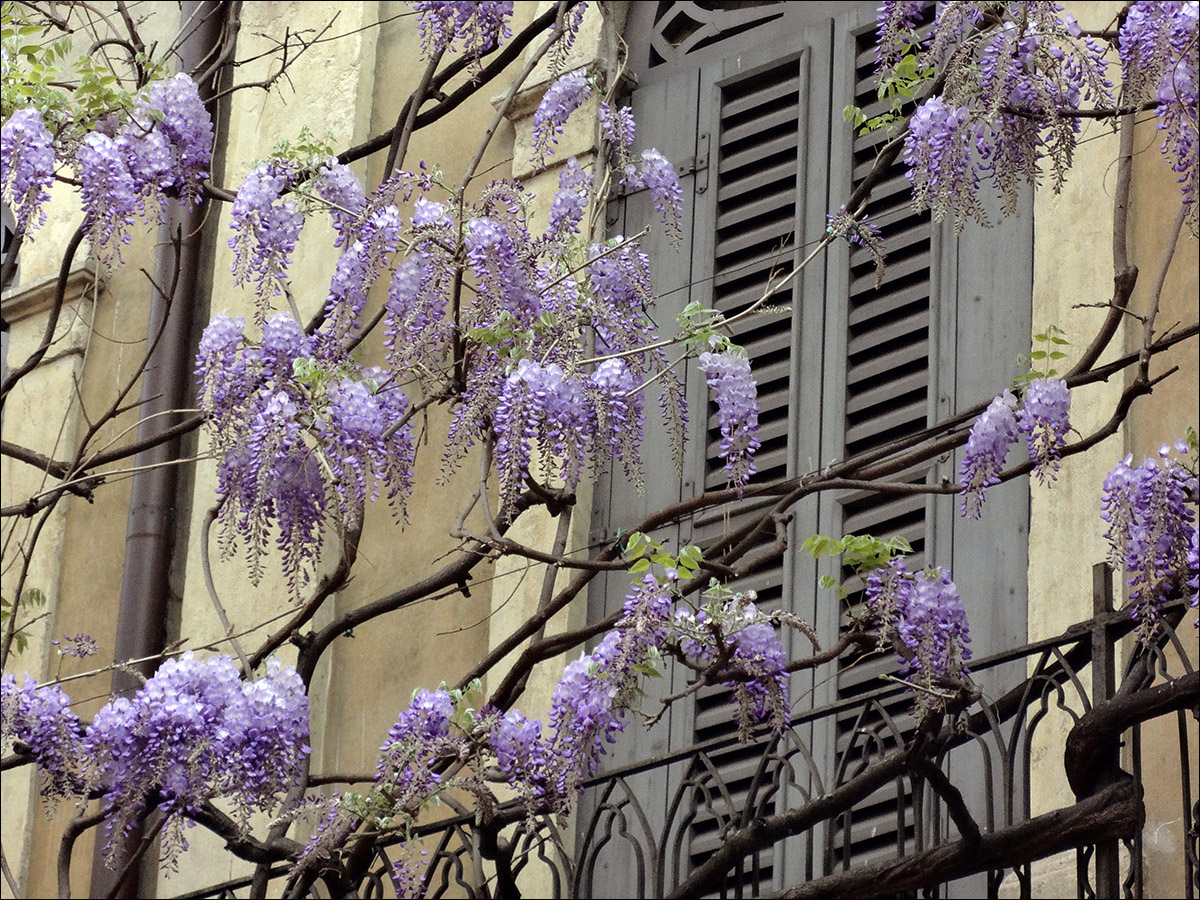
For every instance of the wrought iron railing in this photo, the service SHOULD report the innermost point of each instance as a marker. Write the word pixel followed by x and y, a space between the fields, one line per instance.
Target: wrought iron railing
pixel 642 830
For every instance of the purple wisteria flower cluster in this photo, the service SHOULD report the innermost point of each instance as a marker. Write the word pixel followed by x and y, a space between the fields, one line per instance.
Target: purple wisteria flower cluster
pixel 618 128
pixel 40 716
pixel 197 731
pixel 983 459
pixel 439 743
pixel 1152 531
pixel 736 395
pixel 266 225
pixel 301 430
pixel 922 614
pixel 744 639
pixel 561 99
pixel 651 172
pixel 576 393
pixel 896 27
pixel 570 202
pixel 1158 62
pixel 544 764
pixel 26 167
pixel 421 738
pixel 522 378
pixel 163 150
pixel 572 419
pixel 1044 419
pixel 169 138
pixel 480 25
pixel 194 732
pixel 656 175
pixel 1016 68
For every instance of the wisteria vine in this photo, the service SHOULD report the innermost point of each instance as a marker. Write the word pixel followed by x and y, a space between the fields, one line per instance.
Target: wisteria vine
pixel 547 366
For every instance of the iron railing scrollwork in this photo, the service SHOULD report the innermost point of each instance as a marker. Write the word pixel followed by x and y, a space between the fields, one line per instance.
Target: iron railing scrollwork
pixel 1000 740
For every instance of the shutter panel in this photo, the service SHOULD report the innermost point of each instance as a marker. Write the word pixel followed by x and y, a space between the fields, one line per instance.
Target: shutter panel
pixel 765 202
pixel 917 349
pixel 851 367
pixel 618 854
pixel 758 165
pixel 881 387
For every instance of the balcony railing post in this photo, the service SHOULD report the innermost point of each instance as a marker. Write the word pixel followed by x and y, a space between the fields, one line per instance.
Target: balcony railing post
pixel 1104 685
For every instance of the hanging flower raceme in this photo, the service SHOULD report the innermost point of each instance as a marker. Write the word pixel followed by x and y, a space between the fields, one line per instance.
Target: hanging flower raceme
pixel 617 420
pixel 924 614
pixel 938 151
pixel 1158 62
pixel 502 271
pixel 415 331
pixel 111 197
pixel 421 737
pixel 569 419
pixel 658 176
pixel 300 432
pixel 896 27
pixel 998 119
pixel 983 459
pixel 1044 419
pixel 172 114
pixel 163 150
pixel 194 732
pixel 1152 531
pixel 728 376
pixel 588 706
pixel 561 99
pixel 41 717
pixel 340 188
pixel 617 126
pixel 746 638
pixel 543 406
pixel 268 227
pixel 369 247
pixel 480 25
pixel 570 201
pixel 26 167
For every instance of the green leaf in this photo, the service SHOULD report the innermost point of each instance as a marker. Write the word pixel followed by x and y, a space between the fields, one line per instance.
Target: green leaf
pixel 648 669
pixel 828 581
pixel 640 566
pixel 817 545
pixel 33 597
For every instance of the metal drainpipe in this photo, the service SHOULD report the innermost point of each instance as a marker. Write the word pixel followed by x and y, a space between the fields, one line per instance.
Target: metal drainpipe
pixel 150 531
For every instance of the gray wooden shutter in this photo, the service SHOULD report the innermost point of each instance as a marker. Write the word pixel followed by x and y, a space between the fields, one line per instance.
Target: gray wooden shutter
pixel 848 368
pixel 752 225
pixel 621 828
pixel 941 333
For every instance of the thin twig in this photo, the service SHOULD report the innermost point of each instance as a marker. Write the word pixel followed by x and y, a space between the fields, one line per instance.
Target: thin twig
pixel 206 566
